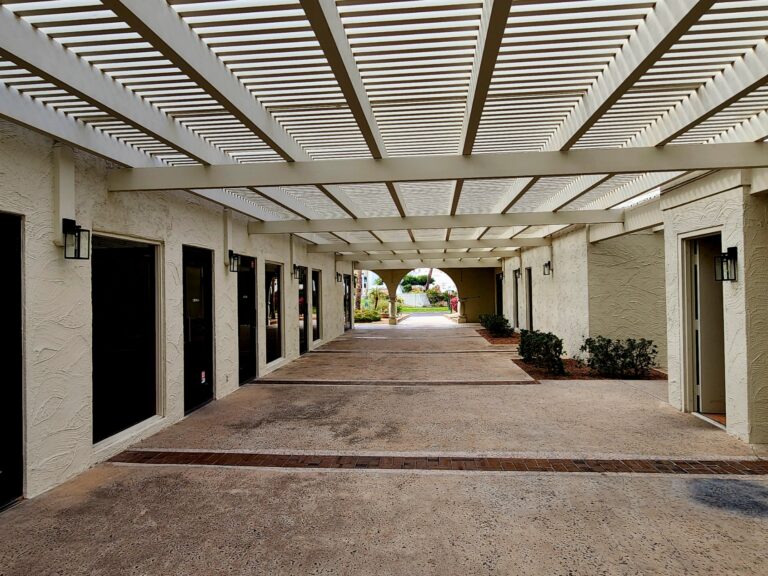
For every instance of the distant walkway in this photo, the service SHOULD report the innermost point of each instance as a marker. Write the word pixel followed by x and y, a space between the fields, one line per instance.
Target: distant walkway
pixel 428 320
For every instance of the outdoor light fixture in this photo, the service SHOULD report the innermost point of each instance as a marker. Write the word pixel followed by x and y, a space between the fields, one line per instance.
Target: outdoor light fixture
pixel 338 277
pixel 500 275
pixel 725 265
pixel 518 274
pixel 234 261
pixel 547 268
pixel 77 240
pixel 296 272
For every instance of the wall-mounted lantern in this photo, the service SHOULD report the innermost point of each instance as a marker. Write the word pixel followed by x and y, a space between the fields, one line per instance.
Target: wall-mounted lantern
pixel 296 272
pixel 518 274
pixel 234 261
pixel 725 265
pixel 77 240
pixel 339 277
pixel 547 268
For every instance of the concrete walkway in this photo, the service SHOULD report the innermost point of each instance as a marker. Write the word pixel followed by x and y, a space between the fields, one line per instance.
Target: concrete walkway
pixel 219 516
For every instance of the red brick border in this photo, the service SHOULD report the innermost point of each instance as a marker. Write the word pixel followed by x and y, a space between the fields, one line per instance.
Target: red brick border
pixel 638 466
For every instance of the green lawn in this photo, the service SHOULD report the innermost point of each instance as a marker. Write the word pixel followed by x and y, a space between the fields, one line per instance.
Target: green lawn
pixel 416 310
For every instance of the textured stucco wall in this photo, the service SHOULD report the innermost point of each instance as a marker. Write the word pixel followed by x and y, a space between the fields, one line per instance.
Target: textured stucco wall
pixel 627 292
pixel 742 222
pixel 57 307
pixel 560 300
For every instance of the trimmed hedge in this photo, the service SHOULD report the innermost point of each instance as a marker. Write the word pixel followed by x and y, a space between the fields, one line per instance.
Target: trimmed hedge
pixel 630 358
pixel 496 324
pixel 543 350
pixel 363 316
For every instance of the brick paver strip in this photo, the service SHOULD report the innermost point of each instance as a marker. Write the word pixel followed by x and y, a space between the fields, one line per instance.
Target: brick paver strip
pixel 562 465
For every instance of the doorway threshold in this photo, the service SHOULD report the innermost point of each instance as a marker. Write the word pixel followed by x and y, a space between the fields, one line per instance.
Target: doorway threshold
pixel 717 420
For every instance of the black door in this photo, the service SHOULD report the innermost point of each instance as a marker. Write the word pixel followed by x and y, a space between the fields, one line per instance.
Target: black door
pixel 499 294
pixel 246 317
pixel 11 445
pixel 273 317
pixel 124 344
pixel 316 305
pixel 303 311
pixel 529 298
pixel 198 328
pixel 516 299
pixel 347 302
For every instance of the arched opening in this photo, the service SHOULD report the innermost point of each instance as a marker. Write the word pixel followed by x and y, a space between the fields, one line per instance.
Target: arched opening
pixel 428 291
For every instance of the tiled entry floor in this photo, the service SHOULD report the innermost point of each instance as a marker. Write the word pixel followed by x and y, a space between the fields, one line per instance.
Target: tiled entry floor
pixel 555 478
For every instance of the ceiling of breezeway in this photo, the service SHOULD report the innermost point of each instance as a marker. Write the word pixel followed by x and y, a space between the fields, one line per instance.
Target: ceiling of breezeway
pixel 177 82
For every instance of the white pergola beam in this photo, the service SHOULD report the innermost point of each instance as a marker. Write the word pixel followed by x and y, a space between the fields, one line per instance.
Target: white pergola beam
pixel 636 219
pixel 27 112
pixel 432 222
pixel 448 167
pixel 664 26
pixel 234 202
pixel 33 50
pixel 429 263
pixel 446 256
pixel 430 245
pixel 493 23
pixel 728 86
pixel 162 27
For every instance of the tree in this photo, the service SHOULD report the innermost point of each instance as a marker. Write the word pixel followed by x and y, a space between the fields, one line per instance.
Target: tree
pixel 429 279
pixel 359 290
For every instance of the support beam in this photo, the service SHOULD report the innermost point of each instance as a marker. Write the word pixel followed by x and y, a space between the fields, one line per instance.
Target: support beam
pixel 731 84
pixel 442 264
pixel 162 27
pixel 637 219
pixel 430 245
pixel 323 16
pixel 234 202
pixel 492 25
pixel 426 222
pixel 448 167
pixel 443 256
pixel 661 29
pixel 33 50
pixel 25 111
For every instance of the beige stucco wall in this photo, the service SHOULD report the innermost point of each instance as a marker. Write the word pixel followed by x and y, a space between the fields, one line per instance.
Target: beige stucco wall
pixel 560 300
pixel 627 292
pixel 57 308
pixel 742 221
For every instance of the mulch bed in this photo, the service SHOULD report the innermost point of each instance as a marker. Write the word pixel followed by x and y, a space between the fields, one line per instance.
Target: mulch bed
pixel 514 339
pixel 577 372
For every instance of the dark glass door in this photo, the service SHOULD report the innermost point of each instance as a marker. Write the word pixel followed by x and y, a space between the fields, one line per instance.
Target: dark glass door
pixel 11 406
pixel 303 311
pixel 273 317
pixel 499 294
pixel 529 298
pixel 347 302
pixel 316 305
pixel 198 328
pixel 246 318
pixel 123 294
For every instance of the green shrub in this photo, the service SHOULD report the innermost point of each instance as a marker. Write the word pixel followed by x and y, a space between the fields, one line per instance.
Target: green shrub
pixel 496 325
pixel 630 358
pixel 435 296
pixel 543 350
pixel 367 316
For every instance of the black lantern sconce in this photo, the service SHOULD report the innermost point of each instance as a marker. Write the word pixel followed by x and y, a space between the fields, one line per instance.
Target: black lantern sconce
pixel 77 240
pixel 296 272
pixel 234 261
pixel 725 265
pixel 339 277
pixel 547 268
pixel 500 275
pixel 518 274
